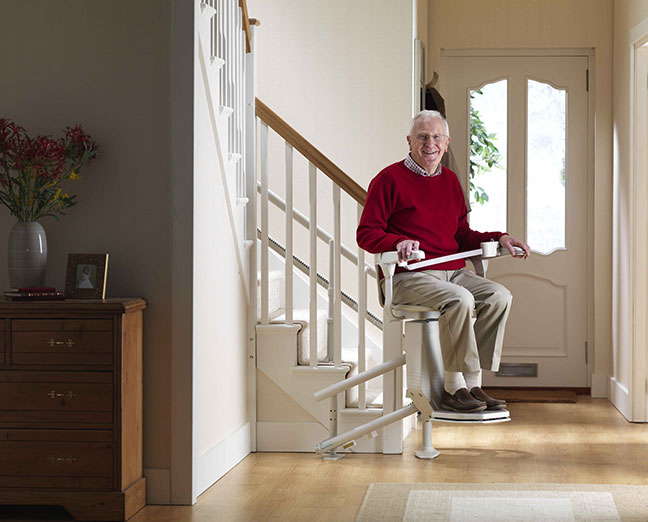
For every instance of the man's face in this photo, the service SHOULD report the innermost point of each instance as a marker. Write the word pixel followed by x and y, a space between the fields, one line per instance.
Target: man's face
pixel 428 142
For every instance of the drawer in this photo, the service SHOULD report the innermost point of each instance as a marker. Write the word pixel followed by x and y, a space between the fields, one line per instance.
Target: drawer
pixel 56 458
pixel 64 342
pixel 71 397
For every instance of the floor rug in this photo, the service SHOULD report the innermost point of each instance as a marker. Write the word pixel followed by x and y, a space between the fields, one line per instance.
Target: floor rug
pixel 504 502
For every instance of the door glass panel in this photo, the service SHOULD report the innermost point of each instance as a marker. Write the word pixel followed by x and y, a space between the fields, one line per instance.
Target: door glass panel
pixel 488 138
pixel 546 169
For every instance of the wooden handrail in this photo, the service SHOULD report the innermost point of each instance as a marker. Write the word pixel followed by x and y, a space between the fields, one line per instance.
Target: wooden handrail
pixel 330 169
pixel 246 26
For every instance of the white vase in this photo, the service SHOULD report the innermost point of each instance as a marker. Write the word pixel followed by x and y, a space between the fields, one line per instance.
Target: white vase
pixel 27 255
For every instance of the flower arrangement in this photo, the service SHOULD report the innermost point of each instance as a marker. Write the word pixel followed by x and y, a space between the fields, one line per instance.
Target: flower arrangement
pixel 32 169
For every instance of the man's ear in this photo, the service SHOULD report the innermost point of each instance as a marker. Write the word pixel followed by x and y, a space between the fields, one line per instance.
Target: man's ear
pixel 409 142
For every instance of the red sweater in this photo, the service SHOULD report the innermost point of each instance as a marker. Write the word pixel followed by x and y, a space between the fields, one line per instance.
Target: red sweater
pixel 404 205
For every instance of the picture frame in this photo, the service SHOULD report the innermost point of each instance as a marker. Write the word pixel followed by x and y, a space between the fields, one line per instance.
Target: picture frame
pixel 86 276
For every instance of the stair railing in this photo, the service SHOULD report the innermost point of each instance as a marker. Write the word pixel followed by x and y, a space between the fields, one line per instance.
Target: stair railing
pixel 341 183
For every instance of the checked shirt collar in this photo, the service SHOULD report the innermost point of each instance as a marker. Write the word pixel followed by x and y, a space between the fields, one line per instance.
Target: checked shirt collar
pixel 417 169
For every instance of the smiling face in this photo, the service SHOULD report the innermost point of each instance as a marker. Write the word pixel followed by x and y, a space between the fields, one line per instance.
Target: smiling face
pixel 428 142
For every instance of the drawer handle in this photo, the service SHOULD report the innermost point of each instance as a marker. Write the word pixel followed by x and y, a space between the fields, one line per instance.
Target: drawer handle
pixel 53 342
pixel 55 460
pixel 58 395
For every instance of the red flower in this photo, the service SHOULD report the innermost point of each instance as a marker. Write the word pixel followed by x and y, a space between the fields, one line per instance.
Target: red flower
pixel 31 169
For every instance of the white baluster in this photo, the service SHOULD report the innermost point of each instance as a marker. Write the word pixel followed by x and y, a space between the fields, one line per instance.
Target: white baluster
pixel 312 185
pixel 264 222
pixel 289 235
pixel 330 320
pixel 362 312
pixel 337 325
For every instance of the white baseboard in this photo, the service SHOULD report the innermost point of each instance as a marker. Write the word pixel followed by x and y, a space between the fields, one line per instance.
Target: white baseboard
pixel 219 459
pixel 600 386
pixel 620 397
pixel 158 485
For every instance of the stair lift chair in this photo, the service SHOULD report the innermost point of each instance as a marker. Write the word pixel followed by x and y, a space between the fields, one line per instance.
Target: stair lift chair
pixel 414 330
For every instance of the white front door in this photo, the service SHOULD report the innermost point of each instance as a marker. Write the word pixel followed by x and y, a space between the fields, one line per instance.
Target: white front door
pixel 521 123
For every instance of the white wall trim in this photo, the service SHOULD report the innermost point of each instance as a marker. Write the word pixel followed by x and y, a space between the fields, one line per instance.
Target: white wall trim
pixel 600 386
pixel 158 485
pixel 222 457
pixel 620 397
pixel 639 229
pixel 182 143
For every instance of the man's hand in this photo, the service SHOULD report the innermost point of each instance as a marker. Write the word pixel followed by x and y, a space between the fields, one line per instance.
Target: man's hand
pixel 509 242
pixel 405 247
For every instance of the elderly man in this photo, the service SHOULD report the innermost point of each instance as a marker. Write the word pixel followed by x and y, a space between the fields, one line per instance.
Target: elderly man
pixel 418 204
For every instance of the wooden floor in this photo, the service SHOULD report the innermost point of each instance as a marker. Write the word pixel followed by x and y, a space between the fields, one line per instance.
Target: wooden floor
pixel 585 443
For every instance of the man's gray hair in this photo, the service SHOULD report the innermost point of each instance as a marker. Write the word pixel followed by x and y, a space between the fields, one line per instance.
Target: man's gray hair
pixel 428 114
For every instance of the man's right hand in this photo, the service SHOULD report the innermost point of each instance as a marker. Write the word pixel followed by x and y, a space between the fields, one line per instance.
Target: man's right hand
pixel 405 247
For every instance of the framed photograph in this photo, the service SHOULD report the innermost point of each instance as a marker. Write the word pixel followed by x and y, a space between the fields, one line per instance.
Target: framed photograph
pixel 86 276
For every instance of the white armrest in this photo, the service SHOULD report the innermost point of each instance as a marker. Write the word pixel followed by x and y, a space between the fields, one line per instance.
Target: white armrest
pixel 387 258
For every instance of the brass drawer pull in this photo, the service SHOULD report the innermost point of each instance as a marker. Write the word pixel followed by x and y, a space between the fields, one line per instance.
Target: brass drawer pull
pixel 58 395
pixel 53 342
pixel 55 460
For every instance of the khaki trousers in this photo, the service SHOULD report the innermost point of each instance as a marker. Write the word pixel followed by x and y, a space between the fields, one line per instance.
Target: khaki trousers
pixel 456 294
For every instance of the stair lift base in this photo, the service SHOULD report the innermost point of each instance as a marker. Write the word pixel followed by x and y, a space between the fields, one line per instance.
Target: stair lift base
pixel 427 451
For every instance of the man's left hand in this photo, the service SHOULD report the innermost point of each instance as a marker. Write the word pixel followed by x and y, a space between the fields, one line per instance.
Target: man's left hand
pixel 509 242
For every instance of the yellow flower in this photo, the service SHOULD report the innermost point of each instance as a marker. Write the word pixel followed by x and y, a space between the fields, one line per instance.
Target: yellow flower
pixel 74 175
pixel 58 193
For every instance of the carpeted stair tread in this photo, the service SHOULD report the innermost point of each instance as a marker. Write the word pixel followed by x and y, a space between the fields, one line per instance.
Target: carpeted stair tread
pixel 514 395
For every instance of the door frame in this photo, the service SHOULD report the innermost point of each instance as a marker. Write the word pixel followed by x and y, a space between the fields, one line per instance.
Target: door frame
pixel 597 384
pixel 638 358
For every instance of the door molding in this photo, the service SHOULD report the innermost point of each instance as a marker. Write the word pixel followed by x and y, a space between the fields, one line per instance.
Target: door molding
pixel 638 411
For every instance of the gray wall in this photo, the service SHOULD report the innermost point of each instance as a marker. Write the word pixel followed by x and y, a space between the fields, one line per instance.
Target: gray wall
pixel 106 66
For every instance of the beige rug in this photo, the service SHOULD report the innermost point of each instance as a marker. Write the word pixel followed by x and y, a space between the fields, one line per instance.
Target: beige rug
pixel 504 502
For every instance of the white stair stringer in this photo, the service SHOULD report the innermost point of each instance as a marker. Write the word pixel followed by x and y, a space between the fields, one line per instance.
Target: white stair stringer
pixel 276 360
pixel 210 71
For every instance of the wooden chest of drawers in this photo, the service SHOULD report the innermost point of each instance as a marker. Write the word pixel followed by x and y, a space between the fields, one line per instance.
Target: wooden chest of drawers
pixel 71 406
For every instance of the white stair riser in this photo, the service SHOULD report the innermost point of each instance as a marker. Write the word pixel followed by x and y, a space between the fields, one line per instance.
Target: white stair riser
pixel 277 356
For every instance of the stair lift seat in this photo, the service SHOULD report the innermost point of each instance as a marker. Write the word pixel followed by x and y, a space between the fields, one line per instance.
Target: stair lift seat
pixel 420 342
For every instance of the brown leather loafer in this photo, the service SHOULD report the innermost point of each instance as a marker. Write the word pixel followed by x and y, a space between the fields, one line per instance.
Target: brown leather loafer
pixel 491 403
pixel 461 402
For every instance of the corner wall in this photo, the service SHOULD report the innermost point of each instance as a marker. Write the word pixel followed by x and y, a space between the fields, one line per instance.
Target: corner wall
pixel 627 14
pixel 106 66
pixel 220 428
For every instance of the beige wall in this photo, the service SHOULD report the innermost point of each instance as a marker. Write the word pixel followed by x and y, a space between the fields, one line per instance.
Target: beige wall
pixel 92 62
pixel 422 16
pixel 627 14
pixel 341 73
pixel 510 24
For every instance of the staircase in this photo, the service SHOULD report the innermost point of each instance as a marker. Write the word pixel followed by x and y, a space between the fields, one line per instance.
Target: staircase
pixel 312 301
pixel 312 321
